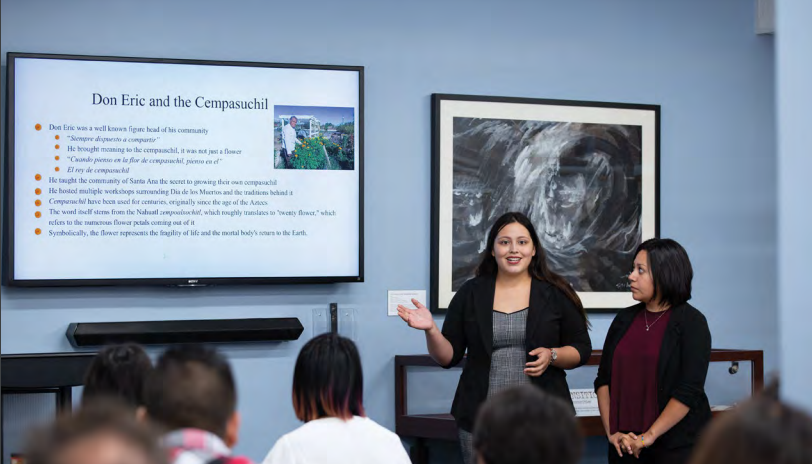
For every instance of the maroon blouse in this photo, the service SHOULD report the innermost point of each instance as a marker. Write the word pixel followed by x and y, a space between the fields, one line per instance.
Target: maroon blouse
pixel 633 387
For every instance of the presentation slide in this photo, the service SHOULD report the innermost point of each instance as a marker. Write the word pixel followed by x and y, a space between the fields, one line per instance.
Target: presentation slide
pixel 143 170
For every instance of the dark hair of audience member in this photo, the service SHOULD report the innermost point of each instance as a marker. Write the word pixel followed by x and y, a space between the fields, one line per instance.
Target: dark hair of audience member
pixel 118 371
pixel 762 430
pixel 524 424
pixel 328 380
pixel 191 387
pixel 105 424
pixel 670 268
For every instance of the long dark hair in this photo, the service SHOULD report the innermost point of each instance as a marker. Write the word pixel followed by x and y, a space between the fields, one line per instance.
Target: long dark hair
pixel 328 380
pixel 538 268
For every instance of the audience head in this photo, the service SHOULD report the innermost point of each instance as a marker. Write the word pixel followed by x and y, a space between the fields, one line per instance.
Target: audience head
pixel 524 424
pixel 662 273
pixel 327 379
pixel 118 371
pixel 192 387
pixel 103 432
pixel 760 431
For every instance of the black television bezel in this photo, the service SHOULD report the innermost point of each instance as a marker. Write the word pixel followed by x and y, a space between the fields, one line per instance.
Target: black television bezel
pixel 191 281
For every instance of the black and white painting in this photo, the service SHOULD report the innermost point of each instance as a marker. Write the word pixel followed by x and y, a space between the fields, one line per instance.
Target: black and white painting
pixel 583 172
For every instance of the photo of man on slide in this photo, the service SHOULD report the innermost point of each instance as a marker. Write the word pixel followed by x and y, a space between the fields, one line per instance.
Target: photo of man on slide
pixel 289 140
pixel 314 137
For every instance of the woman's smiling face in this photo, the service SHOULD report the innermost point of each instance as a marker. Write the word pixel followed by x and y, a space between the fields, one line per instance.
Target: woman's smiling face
pixel 513 249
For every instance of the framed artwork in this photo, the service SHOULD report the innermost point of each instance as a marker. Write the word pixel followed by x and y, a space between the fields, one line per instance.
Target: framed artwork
pixel 585 173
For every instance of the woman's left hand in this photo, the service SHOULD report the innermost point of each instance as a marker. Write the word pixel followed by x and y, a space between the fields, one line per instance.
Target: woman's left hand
pixel 626 442
pixel 639 445
pixel 537 367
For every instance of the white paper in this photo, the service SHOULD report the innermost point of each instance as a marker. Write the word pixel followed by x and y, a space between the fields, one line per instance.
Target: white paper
pixel 585 401
pixel 404 297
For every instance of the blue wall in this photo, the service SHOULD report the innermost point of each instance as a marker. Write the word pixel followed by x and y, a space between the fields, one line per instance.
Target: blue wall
pixel 794 74
pixel 700 60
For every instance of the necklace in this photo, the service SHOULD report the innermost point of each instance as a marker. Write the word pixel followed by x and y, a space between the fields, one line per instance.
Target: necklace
pixel 645 316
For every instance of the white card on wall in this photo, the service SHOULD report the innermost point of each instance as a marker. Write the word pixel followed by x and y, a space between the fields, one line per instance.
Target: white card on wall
pixel 585 401
pixel 404 297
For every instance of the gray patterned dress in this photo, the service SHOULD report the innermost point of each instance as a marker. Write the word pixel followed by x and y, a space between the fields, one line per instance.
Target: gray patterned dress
pixel 507 364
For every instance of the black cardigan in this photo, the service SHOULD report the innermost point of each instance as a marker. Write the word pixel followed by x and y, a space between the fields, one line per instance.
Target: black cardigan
pixel 681 369
pixel 552 321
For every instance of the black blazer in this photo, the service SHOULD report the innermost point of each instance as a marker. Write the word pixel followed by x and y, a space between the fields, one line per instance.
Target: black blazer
pixel 552 321
pixel 681 369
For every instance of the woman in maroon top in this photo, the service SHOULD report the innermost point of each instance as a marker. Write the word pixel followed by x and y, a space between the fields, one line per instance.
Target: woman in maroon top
pixel 651 379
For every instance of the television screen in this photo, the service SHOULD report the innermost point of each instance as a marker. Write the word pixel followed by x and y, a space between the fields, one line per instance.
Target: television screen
pixel 178 172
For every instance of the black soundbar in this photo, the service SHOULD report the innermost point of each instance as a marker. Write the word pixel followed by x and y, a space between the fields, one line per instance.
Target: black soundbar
pixel 197 331
pixel 44 370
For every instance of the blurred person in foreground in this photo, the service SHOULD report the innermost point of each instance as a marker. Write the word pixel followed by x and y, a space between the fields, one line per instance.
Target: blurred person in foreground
pixel 191 397
pixel 104 432
pixel 119 372
pixel 761 431
pixel 524 424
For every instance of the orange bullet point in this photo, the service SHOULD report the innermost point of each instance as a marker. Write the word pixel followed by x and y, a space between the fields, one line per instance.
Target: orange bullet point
pixel 56 146
pixel 38 177
pixel 38 203
pixel 37 231
pixel 37 191
pixel 56 169
pixel 56 158
pixel 37 127
pixel 38 214
pixel 56 137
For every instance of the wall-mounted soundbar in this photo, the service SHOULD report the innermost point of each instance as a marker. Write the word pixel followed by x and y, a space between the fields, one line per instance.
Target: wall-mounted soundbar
pixel 197 331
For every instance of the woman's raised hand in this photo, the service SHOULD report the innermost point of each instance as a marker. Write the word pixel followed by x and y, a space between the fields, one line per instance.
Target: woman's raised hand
pixel 419 318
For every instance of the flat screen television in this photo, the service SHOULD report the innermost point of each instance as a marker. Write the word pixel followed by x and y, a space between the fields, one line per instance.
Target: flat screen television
pixel 152 171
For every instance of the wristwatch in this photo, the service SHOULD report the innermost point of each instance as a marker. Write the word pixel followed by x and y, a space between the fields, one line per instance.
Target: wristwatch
pixel 553 355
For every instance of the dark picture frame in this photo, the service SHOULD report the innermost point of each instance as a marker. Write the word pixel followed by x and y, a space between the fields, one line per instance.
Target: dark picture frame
pixel 586 173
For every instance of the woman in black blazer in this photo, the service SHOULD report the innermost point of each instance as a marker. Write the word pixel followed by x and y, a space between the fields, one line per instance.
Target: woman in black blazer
pixel 519 321
pixel 651 380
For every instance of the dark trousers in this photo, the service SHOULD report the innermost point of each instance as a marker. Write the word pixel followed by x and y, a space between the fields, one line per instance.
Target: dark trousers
pixel 652 455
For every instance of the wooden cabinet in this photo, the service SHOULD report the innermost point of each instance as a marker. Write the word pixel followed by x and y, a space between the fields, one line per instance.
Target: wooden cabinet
pixel 441 426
